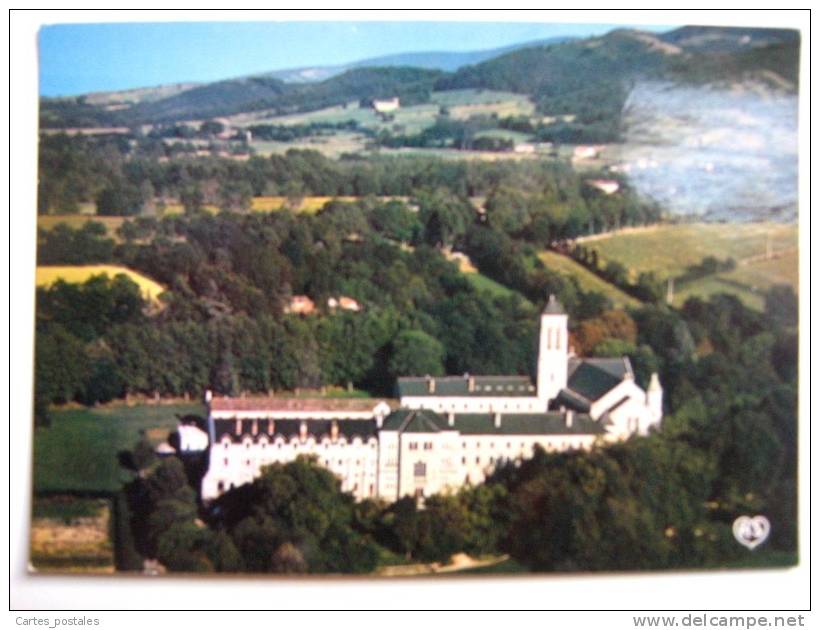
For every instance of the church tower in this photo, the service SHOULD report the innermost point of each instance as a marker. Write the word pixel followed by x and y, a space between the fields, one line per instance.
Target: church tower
pixel 553 352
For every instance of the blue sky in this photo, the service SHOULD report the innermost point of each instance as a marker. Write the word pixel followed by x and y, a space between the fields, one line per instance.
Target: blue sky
pixel 80 58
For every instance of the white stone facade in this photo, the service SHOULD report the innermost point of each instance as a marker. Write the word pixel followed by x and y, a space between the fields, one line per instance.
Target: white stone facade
pixel 447 431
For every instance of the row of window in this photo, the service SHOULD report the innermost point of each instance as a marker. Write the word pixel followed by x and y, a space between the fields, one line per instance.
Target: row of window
pixel 222 486
pixel 248 462
pixel 264 444
pixel 414 446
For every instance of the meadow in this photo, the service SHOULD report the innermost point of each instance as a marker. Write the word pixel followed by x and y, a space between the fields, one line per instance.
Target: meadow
pixel 587 280
pixel 408 120
pixel 483 283
pixel 461 104
pixel 667 250
pixel 77 453
pixel 48 275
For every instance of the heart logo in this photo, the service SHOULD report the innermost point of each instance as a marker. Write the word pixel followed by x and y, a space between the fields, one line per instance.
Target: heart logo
pixel 751 531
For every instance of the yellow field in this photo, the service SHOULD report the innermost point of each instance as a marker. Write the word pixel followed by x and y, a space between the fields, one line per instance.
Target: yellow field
pixel 48 275
pixel 49 221
pixel 308 205
pixel 177 208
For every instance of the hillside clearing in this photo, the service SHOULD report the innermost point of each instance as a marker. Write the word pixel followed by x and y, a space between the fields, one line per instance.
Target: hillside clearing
pixel 587 280
pixel 749 282
pixel 669 249
pixel 483 283
pixel 48 275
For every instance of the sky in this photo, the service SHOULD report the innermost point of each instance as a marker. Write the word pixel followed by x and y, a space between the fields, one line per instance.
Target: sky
pixel 81 58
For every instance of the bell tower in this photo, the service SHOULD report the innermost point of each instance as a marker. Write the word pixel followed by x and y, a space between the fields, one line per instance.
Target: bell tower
pixel 553 353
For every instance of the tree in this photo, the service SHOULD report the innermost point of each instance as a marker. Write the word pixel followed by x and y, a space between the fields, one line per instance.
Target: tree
pixel 781 305
pixel 120 198
pixel 211 128
pixel 416 353
pixel 293 518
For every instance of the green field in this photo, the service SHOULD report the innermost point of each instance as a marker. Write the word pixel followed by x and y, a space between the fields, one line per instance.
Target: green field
pixel 331 145
pixel 78 452
pixel 483 283
pixel 587 280
pixel 669 249
pixel 408 120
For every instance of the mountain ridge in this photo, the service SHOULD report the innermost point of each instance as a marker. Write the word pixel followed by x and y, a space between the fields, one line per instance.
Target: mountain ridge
pixel 588 78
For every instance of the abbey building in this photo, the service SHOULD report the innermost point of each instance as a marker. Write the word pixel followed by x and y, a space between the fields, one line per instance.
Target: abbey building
pixel 444 432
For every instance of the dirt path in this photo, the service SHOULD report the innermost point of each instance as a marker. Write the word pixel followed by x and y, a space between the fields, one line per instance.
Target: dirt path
pixel 458 562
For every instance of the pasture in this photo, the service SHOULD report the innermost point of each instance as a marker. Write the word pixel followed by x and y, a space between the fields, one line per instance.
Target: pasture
pixel 587 280
pixel 409 120
pixel 48 275
pixel 669 249
pixel 331 145
pixel 78 451
pixel 483 283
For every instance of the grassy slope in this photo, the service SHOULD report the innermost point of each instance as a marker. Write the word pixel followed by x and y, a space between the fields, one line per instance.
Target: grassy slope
pixel 78 452
pixel 462 104
pixel 483 283
pixel 47 275
pixel 586 279
pixel 668 250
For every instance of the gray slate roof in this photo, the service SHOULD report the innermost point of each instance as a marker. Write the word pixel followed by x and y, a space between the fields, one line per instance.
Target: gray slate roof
pixel 553 423
pixel 592 378
pixel 460 386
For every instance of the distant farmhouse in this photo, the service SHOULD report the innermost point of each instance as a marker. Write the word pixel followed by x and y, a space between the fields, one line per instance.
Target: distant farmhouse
pixel 385 106
pixel 446 432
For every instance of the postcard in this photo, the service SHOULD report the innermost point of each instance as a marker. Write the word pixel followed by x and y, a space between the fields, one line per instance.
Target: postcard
pixel 415 299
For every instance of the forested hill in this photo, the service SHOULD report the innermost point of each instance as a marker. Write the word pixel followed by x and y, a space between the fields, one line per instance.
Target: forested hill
pixel 591 78
pixel 223 98
pixel 587 78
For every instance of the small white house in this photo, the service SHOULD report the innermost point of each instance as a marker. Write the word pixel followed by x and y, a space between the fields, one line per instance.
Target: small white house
pixel 606 186
pixel 385 106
